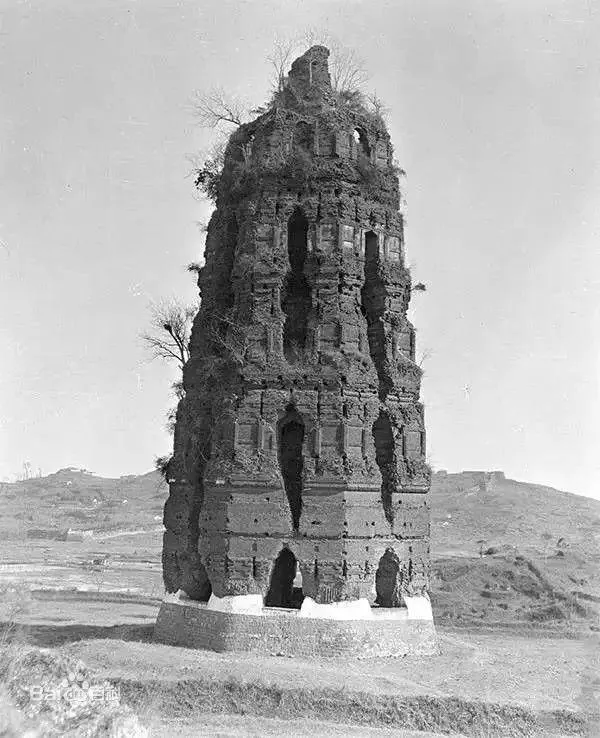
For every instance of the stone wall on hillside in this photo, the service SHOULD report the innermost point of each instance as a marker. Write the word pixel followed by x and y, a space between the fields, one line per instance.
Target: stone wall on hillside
pixel 300 442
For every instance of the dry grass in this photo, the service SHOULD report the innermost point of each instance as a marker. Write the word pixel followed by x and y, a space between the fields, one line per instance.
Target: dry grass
pixel 15 605
pixel 504 589
pixel 500 684
pixel 45 693
pixel 449 715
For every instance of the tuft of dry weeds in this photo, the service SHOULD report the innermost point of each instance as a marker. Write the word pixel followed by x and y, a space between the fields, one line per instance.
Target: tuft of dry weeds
pixel 449 715
pixel 44 693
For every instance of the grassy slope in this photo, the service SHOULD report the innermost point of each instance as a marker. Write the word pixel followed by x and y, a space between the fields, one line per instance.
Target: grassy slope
pixel 71 498
pixel 546 544
pixel 546 565
pixel 506 512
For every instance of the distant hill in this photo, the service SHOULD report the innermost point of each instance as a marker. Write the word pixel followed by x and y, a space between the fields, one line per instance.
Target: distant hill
pixel 473 506
pixel 76 499
pixel 502 550
pixel 540 546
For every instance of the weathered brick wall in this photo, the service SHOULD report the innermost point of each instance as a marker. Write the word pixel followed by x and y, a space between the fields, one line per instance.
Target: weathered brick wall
pixel 303 316
pixel 197 627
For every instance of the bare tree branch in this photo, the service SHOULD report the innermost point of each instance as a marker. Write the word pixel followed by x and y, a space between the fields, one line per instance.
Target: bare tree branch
pixel 280 60
pixel 218 106
pixel 347 69
pixel 159 348
pixel 376 104
pixel 169 333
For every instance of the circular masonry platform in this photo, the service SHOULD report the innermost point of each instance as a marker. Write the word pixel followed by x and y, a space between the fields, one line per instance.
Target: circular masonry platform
pixel 383 633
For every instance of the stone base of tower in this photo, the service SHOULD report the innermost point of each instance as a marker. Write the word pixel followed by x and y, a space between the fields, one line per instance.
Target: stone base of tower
pixel 382 633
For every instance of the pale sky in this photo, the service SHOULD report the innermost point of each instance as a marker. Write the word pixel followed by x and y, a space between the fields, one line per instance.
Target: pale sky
pixel 494 113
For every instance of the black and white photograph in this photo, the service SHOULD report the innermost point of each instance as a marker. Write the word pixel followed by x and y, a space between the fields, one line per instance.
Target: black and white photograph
pixel 299 368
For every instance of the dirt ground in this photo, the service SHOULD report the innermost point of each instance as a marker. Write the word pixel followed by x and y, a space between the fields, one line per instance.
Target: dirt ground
pixel 542 674
pixel 531 668
pixel 238 726
pixel 529 671
pixel 498 669
pixel 497 685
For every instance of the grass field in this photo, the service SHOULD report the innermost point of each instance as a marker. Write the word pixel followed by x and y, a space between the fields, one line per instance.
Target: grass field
pixel 481 684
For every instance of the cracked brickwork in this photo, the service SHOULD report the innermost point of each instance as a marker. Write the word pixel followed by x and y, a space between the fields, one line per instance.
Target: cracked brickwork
pixel 301 425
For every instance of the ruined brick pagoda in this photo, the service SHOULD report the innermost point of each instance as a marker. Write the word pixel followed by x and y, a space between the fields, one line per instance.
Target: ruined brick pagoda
pixel 299 473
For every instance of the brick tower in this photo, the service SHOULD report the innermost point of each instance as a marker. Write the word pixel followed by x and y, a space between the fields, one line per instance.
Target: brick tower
pixel 299 456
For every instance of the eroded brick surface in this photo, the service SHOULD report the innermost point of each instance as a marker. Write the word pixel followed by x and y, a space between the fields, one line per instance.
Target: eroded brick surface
pixel 280 634
pixel 301 425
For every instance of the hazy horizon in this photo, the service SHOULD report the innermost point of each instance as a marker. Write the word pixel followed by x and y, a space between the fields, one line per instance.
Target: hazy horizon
pixel 494 111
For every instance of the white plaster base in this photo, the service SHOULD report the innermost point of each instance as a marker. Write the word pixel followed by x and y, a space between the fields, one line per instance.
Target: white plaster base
pixel 244 604
pixel 349 610
pixel 419 608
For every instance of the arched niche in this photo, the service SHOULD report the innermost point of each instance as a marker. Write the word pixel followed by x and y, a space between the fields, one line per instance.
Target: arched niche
pixel 374 295
pixel 291 431
pixel 282 590
pixel 388 580
pixel 295 295
pixel 361 142
pixel 385 456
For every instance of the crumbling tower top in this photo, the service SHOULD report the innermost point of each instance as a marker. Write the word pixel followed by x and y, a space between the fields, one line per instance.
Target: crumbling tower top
pixel 312 69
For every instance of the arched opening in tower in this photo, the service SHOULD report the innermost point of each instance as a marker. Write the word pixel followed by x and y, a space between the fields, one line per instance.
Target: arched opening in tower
pixel 362 142
pixel 291 438
pixel 295 296
pixel 388 581
pixel 383 437
pixel 282 592
pixel 373 297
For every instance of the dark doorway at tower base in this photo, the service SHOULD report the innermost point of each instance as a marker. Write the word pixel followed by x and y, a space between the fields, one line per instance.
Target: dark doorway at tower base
pixel 282 592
